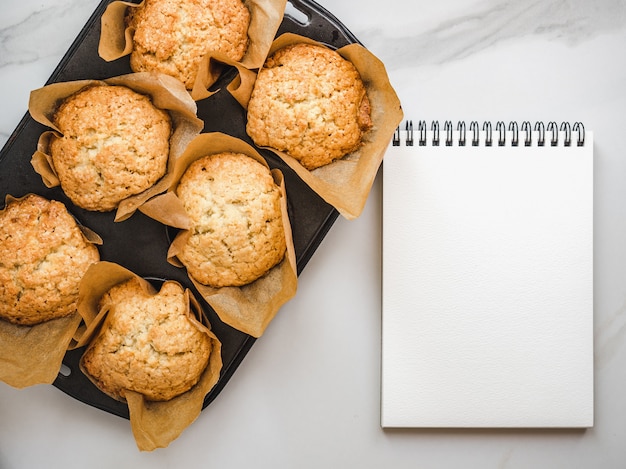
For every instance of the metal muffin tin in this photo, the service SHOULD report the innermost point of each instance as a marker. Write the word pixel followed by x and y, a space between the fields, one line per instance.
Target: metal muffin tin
pixel 140 243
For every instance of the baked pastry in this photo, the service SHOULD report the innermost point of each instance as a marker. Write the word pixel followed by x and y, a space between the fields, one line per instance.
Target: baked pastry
pixel 310 103
pixel 147 343
pixel 43 256
pixel 172 36
pixel 114 144
pixel 237 232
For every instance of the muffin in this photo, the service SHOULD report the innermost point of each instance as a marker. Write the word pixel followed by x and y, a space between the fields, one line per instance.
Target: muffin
pixel 172 36
pixel 114 144
pixel 309 102
pixel 43 256
pixel 147 344
pixel 237 232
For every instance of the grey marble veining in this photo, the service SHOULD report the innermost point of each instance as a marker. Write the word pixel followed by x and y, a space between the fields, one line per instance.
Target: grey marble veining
pixel 475 26
pixel 33 37
pixel 25 39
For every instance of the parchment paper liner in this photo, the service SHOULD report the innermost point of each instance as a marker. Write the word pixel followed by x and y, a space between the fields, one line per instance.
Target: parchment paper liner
pixel 249 308
pixel 265 19
pixel 344 183
pixel 154 424
pixel 166 92
pixel 31 355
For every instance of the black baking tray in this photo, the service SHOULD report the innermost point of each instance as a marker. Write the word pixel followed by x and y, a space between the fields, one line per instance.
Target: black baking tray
pixel 140 243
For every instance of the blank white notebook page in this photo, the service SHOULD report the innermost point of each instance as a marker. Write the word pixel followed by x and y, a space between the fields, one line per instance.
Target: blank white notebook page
pixel 487 310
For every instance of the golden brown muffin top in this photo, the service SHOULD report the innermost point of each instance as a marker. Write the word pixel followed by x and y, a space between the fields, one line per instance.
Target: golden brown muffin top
pixel 309 102
pixel 114 144
pixel 147 343
pixel 172 36
pixel 237 232
pixel 43 256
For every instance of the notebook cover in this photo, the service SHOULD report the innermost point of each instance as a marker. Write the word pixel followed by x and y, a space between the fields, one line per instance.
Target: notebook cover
pixel 487 314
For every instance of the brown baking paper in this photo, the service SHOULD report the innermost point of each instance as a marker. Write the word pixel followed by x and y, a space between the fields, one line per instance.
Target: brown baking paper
pixel 346 183
pixel 166 93
pixel 31 355
pixel 154 424
pixel 116 40
pixel 249 308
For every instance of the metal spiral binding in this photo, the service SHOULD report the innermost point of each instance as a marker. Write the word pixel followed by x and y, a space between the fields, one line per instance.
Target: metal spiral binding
pixel 568 133
pixel 461 129
pixel 475 129
pixel 395 141
pixel 514 130
pixel 487 130
pixel 422 130
pixel 409 134
pixel 501 128
pixel 539 127
pixel 580 129
pixel 529 134
pixel 435 129
pixel 447 127
pixel 554 141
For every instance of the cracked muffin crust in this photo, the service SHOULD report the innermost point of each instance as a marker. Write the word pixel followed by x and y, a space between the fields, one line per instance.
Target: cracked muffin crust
pixel 43 256
pixel 114 144
pixel 147 344
pixel 237 232
pixel 310 103
pixel 171 37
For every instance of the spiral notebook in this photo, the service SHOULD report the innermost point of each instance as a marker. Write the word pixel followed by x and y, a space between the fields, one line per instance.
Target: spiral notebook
pixel 487 297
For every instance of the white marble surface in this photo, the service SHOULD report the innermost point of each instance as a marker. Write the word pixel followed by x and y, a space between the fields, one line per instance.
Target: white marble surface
pixel 308 393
